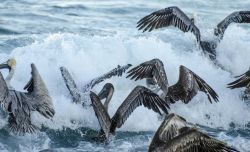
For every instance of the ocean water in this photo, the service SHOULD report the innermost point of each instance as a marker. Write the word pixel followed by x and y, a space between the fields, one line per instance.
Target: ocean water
pixel 91 37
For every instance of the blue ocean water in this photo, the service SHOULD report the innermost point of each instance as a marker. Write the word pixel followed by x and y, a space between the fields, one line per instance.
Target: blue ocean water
pixel 91 37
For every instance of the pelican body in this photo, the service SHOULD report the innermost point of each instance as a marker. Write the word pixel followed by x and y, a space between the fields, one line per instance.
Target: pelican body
pixel 174 16
pixel 19 105
pixel 175 134
pixel 82 96
pixel 185 89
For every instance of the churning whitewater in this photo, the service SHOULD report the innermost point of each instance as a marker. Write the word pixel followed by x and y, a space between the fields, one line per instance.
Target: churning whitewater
pixel 91 37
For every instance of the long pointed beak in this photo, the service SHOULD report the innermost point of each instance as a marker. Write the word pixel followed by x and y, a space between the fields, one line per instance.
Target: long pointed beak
pixel 5 65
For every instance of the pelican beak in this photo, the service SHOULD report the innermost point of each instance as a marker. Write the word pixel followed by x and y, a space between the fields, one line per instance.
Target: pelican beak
pixel 5 65
pixel 103 93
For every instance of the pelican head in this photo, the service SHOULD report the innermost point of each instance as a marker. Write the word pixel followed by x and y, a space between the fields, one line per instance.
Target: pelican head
pixel 106 92
pixel 193 18
pixel 10 64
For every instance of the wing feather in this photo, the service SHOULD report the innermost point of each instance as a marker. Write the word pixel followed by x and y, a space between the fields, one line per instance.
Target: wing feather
pixel 235 17
pixel 71 85
pixel 196 141
pixel 188 86
pixel 114 72
pixel 5 98
pixel 166 17
pixel 150 69
pixel 139 96
pixel 36 83
pixel 38 92
pixel 167 130
pixel 19 121
pixel 242 81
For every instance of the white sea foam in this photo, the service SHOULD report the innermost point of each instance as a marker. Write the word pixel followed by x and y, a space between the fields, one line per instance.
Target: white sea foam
pixel 87 57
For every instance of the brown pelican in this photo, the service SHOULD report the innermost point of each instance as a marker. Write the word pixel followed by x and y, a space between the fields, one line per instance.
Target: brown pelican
pixel 177 135
pixel 19 105
pixel 242 81
pixel 185 89
pixel 82 96
pixel 176 17
pixel 138 96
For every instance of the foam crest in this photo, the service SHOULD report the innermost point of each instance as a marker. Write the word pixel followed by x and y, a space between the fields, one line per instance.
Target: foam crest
pixel 233 51
pixel 87 57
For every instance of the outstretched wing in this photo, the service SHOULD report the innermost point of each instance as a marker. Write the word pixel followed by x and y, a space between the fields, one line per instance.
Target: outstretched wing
pixel 188 86
pixel 101 114
pixel 71 85
pixel 196 141
pixel 139 96
pixel 115 72
pixel 19 121
pixel 153 69
pixel 167 17
pixel 236 17
pixel 168 130
pixel 39 94
pixel 242 81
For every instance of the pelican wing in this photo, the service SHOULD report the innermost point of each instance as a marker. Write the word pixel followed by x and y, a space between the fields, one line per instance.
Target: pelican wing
pixel 139 96
pixel 115 72
pixel 188 86
pixel 101 114
pixel 242 81
pixel 167 17
pixel 235 17
pixel 19 121
pixel 195 141
pixel 167 130
pixel 170 126
pixel 71 85
pixel 39 94
pixel 4 93
pixel 151 69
